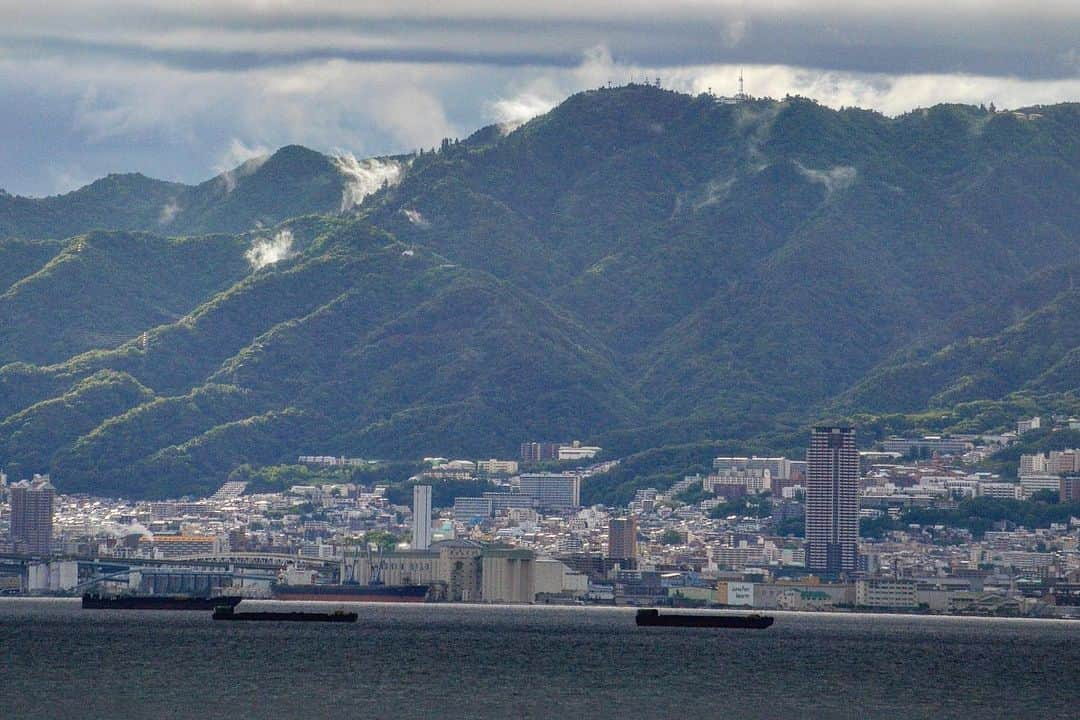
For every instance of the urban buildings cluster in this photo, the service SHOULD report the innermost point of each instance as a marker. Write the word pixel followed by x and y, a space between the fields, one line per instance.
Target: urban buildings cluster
pixel 759 532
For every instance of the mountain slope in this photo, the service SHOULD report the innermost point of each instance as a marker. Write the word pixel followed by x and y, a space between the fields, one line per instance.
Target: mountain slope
pixel 637 267
pixel 260 193
pixel 357 341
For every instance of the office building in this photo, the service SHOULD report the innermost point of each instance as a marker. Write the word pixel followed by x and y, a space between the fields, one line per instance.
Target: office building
pixel 421 530
pixel 555 491
pixel 832 500
pixel 32 516
pixel 622 538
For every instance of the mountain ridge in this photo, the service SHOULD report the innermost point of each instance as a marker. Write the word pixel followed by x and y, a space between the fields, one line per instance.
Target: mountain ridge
pixel 636 267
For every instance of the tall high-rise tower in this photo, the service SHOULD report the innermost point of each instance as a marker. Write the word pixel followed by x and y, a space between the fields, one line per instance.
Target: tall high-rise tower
pixel 622 538
pixel 421 530
pixel 32 516
pixel 832 500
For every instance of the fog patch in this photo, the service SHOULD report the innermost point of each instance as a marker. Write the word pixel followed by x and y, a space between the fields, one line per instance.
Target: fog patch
pixel 714 192
pixel 364 177
pixel 512 113
pixel 168 212
pixel 416 218
pixel 757 124
pixel 238 162
pixel 834 179
pixel 267 251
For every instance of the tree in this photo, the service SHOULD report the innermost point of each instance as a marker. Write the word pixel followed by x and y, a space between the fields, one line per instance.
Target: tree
pixel 671 537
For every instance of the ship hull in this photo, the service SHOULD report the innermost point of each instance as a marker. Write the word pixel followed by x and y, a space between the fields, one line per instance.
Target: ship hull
pixel 156 602
pixel 652 618
pixel 351 593
pixel 227 613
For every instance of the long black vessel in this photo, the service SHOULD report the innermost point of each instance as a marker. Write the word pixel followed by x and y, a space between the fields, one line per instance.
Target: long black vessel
pixel 351 592
pixel 157 602
pixel 226 612
pixel 653 618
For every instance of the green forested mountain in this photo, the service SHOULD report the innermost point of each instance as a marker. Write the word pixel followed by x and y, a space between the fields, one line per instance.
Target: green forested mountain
pixel 638 267
pixel 259 193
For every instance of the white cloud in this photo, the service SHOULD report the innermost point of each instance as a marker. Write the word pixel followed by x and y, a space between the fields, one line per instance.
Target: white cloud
pixel 363 177
pixel 267 251
pixel 240 160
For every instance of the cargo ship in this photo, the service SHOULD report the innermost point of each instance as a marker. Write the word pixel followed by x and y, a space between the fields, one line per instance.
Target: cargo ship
pixel 157 602
pixel 653 618
pixel 351 592
pixel 351 589
pixel 227 612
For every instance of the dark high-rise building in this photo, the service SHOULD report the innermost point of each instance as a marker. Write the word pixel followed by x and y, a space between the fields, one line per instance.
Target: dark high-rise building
pixel 31 516
pixel 539 451
pixel 832 500
pixel 622 538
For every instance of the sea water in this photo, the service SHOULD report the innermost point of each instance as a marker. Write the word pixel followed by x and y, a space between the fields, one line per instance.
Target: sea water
pixel 447 661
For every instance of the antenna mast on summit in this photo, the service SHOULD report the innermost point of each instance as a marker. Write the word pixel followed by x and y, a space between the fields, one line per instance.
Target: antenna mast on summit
pixel 742 91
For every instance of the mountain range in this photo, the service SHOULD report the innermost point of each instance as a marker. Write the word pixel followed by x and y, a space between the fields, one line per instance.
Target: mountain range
pixel 637 268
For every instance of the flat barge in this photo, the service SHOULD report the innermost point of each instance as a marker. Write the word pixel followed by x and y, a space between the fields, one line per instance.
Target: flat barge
pixel 157 602
pixel 653 618
pixel 226 612
pixel 351 592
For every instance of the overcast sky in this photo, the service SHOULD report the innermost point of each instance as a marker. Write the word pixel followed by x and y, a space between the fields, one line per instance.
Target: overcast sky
pixel 180 89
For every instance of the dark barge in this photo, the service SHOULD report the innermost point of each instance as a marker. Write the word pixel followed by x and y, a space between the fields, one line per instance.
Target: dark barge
pixel 653 618
pixel 226 612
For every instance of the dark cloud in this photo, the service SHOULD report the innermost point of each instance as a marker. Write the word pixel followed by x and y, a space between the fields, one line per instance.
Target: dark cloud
pixel 167 87
pixel 1042 49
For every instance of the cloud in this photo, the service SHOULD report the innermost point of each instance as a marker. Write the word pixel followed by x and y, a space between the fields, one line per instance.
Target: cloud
pixel 267 251
pixel 165 87
pixel 239 161
pixel 168 212
pixel 510 113
pixel 363 177
pixel 834 179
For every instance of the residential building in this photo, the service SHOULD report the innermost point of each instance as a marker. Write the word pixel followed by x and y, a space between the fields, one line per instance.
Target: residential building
pixel 755 480
pixel 497 467
pixel 577 451
pixel 539 451
pixel 1031 484
pixel 928 444
pixel 471 509
pixel 1032 464
pixel 421 530
pixel 556 491
pixel 1069 489
pixel 32 516
pixel 622 538
pixel 1000 490
pixel 832 500
pixel 1023 426
pixel 1063 462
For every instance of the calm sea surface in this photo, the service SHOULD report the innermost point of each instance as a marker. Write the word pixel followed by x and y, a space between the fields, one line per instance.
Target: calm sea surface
pixel 59 661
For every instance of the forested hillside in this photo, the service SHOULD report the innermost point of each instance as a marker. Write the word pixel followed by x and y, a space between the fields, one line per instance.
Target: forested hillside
pixel 638 268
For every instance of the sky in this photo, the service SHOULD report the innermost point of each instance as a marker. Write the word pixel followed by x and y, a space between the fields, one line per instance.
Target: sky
pixel 184 89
